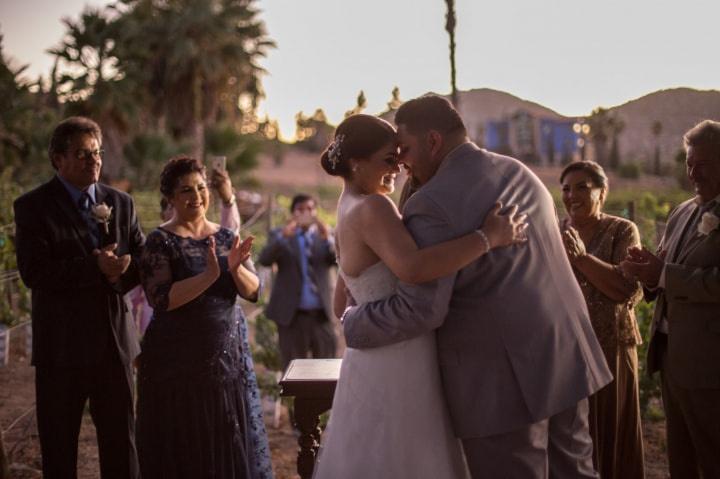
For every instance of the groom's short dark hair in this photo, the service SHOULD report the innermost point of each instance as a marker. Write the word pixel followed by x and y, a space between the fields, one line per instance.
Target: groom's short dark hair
pixel 429 112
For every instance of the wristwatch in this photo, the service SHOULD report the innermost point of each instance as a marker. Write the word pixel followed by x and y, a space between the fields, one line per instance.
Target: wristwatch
pixel 229 203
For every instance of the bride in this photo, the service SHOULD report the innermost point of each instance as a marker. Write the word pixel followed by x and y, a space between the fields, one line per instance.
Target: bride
pixel 389 418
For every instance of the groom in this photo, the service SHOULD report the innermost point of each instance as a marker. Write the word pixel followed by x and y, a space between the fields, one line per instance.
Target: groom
pixel 517 353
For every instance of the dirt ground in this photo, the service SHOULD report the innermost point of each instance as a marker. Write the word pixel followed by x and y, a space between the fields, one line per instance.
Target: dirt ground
pixel 17 421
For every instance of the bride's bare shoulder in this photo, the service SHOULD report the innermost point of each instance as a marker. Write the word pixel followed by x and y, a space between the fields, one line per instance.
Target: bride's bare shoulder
pixel 375 205
pixel 369 211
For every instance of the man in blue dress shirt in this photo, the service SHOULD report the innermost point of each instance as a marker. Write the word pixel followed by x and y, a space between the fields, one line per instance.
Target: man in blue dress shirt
pixel 301 300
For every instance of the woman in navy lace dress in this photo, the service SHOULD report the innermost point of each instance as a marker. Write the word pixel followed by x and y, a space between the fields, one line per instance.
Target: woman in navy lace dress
pixel 191 418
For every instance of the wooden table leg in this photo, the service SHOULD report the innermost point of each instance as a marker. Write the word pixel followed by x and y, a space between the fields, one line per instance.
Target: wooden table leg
pixel 307 420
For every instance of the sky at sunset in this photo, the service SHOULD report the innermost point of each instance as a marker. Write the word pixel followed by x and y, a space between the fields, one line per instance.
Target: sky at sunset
pixel 569 55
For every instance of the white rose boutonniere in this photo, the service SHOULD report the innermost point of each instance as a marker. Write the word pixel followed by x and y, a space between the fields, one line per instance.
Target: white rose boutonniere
pixel 708 222
pixel 102 213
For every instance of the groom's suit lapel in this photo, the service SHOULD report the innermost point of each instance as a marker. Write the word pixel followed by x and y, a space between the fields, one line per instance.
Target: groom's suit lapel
pixel 63 200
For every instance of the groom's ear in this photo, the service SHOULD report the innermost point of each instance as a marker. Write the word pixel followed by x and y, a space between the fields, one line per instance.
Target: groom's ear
pixel 434 141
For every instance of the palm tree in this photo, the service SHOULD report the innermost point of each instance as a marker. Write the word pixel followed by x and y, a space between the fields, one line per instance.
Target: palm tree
pixel 313 132
pixel 87 78
pixel 85 51
pixel 600 122
pixel 450 23
pixel 657 128
pixel 13 109
pixel 199 58
pixel 616 127
pixel 395 100
pixel 26 120
pixel 360 105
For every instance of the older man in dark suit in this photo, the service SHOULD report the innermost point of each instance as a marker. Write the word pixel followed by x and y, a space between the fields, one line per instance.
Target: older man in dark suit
pixel 301 301
pixel 685 337
pixel 76 244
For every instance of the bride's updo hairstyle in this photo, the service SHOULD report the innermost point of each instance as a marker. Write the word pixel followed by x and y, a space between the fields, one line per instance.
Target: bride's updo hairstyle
pixel 357 137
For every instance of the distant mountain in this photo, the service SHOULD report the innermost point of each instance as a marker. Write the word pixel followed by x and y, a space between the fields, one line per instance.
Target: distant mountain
pixel 483 104
pixel 677 109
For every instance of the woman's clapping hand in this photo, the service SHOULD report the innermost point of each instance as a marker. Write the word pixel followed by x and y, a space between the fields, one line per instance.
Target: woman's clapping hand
pixel 240 252
pixel 574 245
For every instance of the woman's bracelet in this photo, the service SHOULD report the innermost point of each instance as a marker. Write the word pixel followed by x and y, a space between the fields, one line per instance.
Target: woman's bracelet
pixel 484 239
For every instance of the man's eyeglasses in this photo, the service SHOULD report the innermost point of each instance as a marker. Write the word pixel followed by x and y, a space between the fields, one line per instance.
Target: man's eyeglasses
pixel 84 155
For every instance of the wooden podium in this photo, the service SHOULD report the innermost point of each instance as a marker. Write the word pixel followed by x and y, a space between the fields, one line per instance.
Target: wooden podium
pixel 312 383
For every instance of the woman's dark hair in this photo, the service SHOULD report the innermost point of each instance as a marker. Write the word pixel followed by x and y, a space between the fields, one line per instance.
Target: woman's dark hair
pixel 66 130
pixel 429 112
pixel 357 137
pixel 175 169
pixel 594 171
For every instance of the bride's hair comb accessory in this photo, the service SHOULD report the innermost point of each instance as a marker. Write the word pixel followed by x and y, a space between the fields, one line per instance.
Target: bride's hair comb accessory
pixel 334 151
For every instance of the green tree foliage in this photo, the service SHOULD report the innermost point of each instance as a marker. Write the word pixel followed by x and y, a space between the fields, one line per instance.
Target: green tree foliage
pixel 313 132
pixel 25 122
pixel 656 129
pixel 89 83
pixel 155 74
pixel 616 126
pixel 265 351
pixel 395 100
pixel 629 170
pixel 681 170
pixel 145 155
pixel 241 150
pixel 195 58
pixel 649 385
pixel 360 105
pixel 14 296
pixel 86 54
pixel 600 125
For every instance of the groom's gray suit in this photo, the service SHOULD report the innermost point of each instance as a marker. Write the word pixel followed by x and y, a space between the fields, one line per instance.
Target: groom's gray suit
pixel 515 344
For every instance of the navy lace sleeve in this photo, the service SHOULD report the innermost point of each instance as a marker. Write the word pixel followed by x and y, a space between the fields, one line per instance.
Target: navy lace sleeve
pixel 155 271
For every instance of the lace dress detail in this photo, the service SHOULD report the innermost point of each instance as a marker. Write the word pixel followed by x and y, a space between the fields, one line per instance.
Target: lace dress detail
pixel 192 419
pixel 389 418
pixel 259 453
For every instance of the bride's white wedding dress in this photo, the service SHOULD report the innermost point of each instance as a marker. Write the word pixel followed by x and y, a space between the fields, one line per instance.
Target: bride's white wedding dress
pixel 389 418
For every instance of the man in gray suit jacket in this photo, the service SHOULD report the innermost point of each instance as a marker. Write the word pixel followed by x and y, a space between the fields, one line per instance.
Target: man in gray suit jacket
pixel 685 344
pixel 517 354
pixel 301 302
